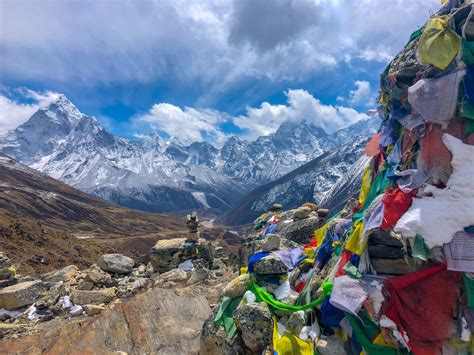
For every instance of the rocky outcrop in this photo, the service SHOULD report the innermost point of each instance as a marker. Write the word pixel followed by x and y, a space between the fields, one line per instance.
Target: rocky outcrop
pixel 21 294
pixel 116 263
pixel 93 297
pixel 168 254
pixel 270 265
pixel 63 275
pixel 157 321
pixel 214 340
pixel 299 230
pixel 254 322
pixel 236 287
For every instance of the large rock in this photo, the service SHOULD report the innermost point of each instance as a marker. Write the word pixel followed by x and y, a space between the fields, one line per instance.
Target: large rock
pixel 236 287
pixel 116 263
pixel 154 322
pixel 82 297
pixel 5 265
pixel 214 340
pixel 271 242
pixel 254 321
pixel 93 310
pixel 296 322
pixel 167 254
pixel 302 212
pixel 300 230
pixel 97 276
pixel 269 265
pixel 20 295
pixel 65 274
pixel 176 275
pixel 198 274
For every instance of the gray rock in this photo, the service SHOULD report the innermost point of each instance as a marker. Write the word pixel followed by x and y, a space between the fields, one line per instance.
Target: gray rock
pixel 198 275
pixel 138 284
pixel 332 345
pixel 92 309
pixel 214 340
pixel 116 263
pixel 167 254
pixel 65 274
pixel 5 265
pixel 97 276
pixel 236 287
pixel 81 297
pixel 149 269
pixel 302 212
pixel 299 231
pixel 254 321
pixel 21 294
pixel 175 275
pixel 85 285
pixel 271 242
pixel 296 322
pixel 218 264
pixel 269 265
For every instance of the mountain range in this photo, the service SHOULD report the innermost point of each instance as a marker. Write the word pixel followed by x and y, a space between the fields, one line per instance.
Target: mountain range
pixel 157 175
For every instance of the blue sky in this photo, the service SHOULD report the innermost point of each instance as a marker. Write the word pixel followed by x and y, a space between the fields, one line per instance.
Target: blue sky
pixel 201 70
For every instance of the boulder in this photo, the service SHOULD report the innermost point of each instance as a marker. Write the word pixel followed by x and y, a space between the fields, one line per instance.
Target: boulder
pixel 312 206
pixel 299 231
pixel 302 212
pixel 92 309
pixel 167 254
pixel 116 263
pixel 65 274
pixel 154 322
pixel 214 340
pixel 296 322
pixel 277 207
pixel 81 297
pixel 5 267
pixel 269 265
pixel 218 264
pixel 332 345
pixel 198 275
pixel 21 294
pixel 175 275
pixel 97 276
pixel 85 285
pixel 271 242
pixel 254 321
pixel 236 287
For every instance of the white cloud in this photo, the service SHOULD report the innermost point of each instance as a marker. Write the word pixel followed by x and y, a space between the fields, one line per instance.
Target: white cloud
pixel 301 106
pixel 381 54
pixel 361 94
pixel 188 124
pixel 13 113
pixel 215 43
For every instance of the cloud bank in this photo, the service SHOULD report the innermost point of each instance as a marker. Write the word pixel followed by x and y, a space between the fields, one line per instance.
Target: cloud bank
pixel 209 46
pixel 13 113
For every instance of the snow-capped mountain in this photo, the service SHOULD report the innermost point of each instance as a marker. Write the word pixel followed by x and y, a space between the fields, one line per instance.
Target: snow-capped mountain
pixel 157 175
pixel 328 180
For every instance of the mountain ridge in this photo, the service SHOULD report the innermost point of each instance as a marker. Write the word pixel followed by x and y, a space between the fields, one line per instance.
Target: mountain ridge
pixel 155 175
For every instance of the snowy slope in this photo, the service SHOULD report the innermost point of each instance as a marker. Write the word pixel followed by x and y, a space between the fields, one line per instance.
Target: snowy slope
pixel 329 179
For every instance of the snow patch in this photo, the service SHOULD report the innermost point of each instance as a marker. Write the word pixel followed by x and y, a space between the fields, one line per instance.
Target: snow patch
pixel 201 197
pixel 449 210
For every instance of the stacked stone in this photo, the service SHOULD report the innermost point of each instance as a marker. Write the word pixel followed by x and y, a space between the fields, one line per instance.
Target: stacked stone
pixel 254 323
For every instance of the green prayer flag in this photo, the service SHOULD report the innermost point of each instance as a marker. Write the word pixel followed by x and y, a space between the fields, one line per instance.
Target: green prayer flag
pixel 264 296
pixel 225 313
